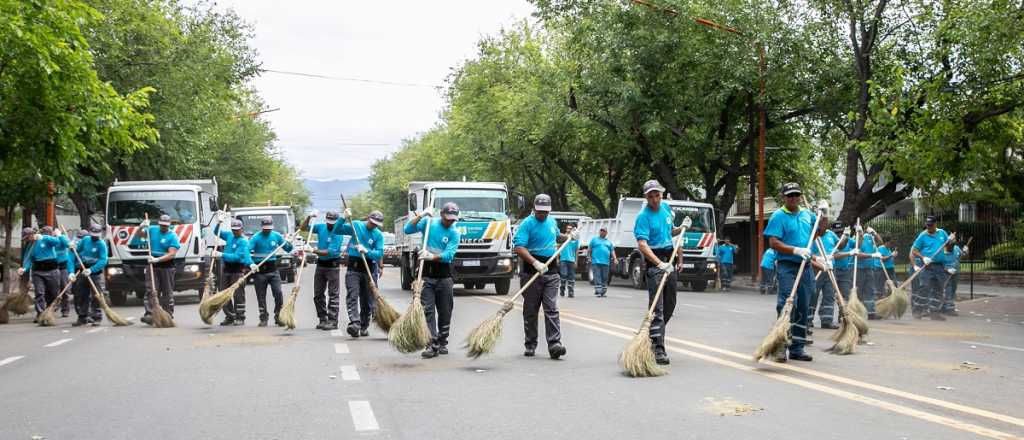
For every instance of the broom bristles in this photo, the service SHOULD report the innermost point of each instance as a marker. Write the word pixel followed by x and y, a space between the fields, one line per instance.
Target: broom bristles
pixel 485 336
pixel 5 316
pixel 161 319
pixel 902 300
pixel 856 306
pixel 846 337
pixel 19 304
pixel 212 305
pixel 410 332
pixel 48 318
pixel 114 318
pixel 384 315
pixel 778 337
pixel 287 314
pixel 637 359
pixel 886 307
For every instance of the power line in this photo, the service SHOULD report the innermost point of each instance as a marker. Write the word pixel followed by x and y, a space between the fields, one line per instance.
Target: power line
pixel 340 78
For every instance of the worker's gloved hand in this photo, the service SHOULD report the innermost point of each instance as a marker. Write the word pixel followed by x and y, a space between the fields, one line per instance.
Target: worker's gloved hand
pixel 846 231
pixel 951 271
pixel 21 271
pixel 254 267
pixel 72 245
pixel 86 272
pixel 216 254
pixel 876 255
pixel 427 255
pixel 802 253
pixel 346 213
pixel 965 250
pixel 665 266
pixel 539 266
pixel 71 277
pixel 315 213
pixel 895 253
pixel 870 230
pixel 427 212
pixel 361 249
pixel 37 237
pixel 574 234
pixel 926 261
pixel 154 260
pixel 829 263
pixel 859 229
pixel 144 224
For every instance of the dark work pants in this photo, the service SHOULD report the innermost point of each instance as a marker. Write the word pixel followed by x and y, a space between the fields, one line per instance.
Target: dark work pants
pixel 358 298
pixel 666 303
pixel 727 274
pixel 567 274
pixel 798 318
pixel 234 310
pixel 164 285
pixel 599 274
pixel 86 305
pixel 867 281
pixel 327 279
pixel 47 285
pixel 949 296
pixel 932 280
pixel 438 301
pixel 543 291
pixel 261 281
pixel 768 282
pixel 65 302
pixel 824 291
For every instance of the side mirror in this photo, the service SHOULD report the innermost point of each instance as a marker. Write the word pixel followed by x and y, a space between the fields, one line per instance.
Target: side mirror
pixel 412 202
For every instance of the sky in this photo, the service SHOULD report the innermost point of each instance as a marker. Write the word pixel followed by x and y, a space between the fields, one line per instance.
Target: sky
pixel 333 129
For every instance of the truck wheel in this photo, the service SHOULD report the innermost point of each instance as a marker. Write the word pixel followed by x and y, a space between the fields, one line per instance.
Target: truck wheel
pixel 699 286
pixel 406 273
pixel 501 286
pixel 118 298
pixel 636 275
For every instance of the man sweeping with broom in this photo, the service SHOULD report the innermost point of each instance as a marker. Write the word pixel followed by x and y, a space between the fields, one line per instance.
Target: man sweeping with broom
pixel 789 231
pixel 236 260
pixel 163 245
pixel 359 299
pixel 535 242
pixel 92 251
pixel 41 263
pixel 930 242
pixel 437 295
pixel 327 277
pixel 263 246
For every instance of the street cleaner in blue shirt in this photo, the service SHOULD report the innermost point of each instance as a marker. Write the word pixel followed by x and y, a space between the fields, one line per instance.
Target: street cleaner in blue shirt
pixel 263 245
pixel 163 245
pixel 40 261
pixel 567 266
pixel 437 295
pixel 236 259
pixel 535 242
pixel 93 251
pixel 653 230
pixel 952 265
pixel 929 248
pixel 327 277
pixel 359 298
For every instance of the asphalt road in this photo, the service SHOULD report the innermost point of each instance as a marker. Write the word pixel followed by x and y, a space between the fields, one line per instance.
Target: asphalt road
pixel 959 379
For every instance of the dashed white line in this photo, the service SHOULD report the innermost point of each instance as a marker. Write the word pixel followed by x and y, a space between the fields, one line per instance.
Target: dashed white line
pixel 130 318
pixel 10 360
pixel 341 348
pixel 1004 347
pixel 362 416
pixel 694 306
pixel 348 372
pixel 741 311
pixel 58 342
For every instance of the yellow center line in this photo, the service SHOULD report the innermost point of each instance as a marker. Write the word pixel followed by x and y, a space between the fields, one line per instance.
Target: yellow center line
pixel 581 321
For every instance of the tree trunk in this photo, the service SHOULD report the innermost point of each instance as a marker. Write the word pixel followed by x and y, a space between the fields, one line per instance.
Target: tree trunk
pixel 10 276
pixel 84 208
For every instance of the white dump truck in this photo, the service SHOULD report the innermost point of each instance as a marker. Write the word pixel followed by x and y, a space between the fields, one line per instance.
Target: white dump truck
pixel 191 204
pixel 699 265
pixel 485 250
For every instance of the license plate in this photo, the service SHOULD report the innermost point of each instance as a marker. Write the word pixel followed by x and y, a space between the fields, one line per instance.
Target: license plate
pixel 473 263
pixel 688 266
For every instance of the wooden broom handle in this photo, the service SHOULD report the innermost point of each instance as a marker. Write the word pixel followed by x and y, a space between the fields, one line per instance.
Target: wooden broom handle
pixel 906 282
pixel 664 276
pixel 535 275
pixel 831 275
pixel 78 258
pixel 803 262
pixel 355 234
pixel 302 265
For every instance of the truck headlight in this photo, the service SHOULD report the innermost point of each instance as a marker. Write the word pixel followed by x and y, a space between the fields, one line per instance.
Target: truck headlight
pixel 191 268
pixel 505 262
pixel 114 271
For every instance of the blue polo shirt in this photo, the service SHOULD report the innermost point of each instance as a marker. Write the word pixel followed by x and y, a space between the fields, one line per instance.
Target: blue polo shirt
pixel 600 250
pixel 442 241
pixel 568 254
pixel 538 237
pixel 792 228
pixel 236 249
pixel 890 263
pixel 828 241
pixel 329 240
pixel 768 259
pixel 953 258
pixel 847 261
pixel 372 240
pixel 93 252
pixel 263 243
pixel 726 253
pixel 654 226
pixel 45 249
pixel 161 243
pixel 867 246
pixel 929 245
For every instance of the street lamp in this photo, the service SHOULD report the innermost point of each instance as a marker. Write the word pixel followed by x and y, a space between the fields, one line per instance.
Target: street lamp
pixel 762 126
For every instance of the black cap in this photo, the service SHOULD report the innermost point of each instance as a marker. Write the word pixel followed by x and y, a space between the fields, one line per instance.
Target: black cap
pixel 267 222
pixel 653 185
pixel 377 218
pixel 838 225
pixel 930 220
pixel 542 203
pixel 791 188
pixel 450 211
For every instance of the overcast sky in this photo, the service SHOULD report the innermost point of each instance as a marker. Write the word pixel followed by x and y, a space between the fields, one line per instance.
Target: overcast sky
pixel 322 122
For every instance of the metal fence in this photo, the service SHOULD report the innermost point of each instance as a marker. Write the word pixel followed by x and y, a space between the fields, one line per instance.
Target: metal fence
pixel 995 236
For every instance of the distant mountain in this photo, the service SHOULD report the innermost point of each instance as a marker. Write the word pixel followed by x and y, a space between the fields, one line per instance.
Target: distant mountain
pixel 325 193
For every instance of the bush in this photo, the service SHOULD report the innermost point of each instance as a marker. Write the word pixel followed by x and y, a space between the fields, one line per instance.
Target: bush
pixel 1007 256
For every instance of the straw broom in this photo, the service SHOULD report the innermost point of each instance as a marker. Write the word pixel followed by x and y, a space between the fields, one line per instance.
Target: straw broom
pixel 855 305
pixel 850 329
pixel 208 285
pixel 21 302
pixel 287 314
pixel 384 315
pixel 161 319
pixel 209 308
pixel 48 318
pixel 116 319
pixel 410 332
pixel 855 320
pixel 910 279
pixel 637 359
pixel 485 336
pixel 778 337
pixel 894 305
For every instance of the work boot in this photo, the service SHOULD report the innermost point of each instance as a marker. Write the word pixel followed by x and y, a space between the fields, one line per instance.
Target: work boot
pixel 239 322
pixel 147 319
pixel 278 322
pixel 322 325
pixel 227 321
pixel 809 331
pixel 364 332
pixel 443 349
pixel 353 330
pixel 800 356
pixel 561 292
pixel 263 322
pixel 556 350
pixel 429 352
pixel 951 313
pixel 529 352
pixel 572 294
pixel 332 325
pixel 63 314
pixel 936 316
pixel 79 322
pixel 917 314
pixel 780 355
pixel 660 356
pixel 94 322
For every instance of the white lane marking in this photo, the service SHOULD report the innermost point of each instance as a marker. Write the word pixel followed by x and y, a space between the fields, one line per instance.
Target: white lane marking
pixel 58 342
pixel 337 333
pixel 348 372
pixel 741 311
pixel 1004 347
pixel 341 348
pixel 97 330
pixel 694 306
pixel 130 318
pixel 362 416
pixel 10 360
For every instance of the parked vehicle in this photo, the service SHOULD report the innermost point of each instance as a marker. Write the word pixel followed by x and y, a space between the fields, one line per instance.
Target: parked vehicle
pixel 699 262
pixel 284 224
pixel 391 254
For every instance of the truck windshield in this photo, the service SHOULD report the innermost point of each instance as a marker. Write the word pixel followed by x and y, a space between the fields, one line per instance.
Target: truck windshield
pixel 131 207
pixel 701 218
pixel 251 223
pixel 474 204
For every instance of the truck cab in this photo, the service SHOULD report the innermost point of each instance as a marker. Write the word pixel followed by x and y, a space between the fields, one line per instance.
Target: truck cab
pixel 284 224
pixel 485 253
pixel 191 204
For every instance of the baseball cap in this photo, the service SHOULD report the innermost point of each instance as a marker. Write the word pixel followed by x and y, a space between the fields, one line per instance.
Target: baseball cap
pixel 331 217
pixel 838 225
pixel 930 220
pixel 267 222
pixel 791 188
pixel 542 203
pixel 653 185
pixel 165 220
pixel 236 224
pixel 377 218
pixel 450 211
